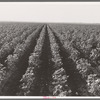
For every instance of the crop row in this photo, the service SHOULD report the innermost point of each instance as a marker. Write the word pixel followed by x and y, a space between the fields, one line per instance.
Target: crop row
pixel 8 47
pixel 16 63
pixel 84 67
pixel 30 78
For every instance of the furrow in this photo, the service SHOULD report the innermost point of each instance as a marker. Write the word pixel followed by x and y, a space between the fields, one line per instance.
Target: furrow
pixel 59 80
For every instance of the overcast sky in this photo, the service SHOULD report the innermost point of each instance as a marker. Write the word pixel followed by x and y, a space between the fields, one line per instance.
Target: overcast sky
pixel 50 12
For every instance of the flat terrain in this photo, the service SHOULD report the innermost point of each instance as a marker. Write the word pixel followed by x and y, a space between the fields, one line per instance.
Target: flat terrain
pixel 39 59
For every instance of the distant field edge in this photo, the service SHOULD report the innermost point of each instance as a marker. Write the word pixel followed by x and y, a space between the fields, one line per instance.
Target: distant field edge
pixel 71 23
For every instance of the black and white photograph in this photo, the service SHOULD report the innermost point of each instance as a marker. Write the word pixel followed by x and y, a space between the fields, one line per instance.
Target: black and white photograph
pixel 50 49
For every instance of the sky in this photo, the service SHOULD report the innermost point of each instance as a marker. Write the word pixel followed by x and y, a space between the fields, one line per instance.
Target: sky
pixel 62 12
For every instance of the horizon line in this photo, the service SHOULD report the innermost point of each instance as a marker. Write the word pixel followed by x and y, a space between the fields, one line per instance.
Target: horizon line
pixel 50 22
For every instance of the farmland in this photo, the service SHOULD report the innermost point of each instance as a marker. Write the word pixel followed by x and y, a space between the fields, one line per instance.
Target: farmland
pixel 39 59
